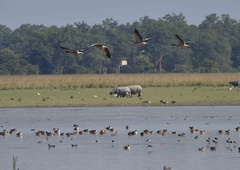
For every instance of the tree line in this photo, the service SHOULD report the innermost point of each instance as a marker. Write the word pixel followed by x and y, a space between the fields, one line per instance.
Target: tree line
pixel 35 49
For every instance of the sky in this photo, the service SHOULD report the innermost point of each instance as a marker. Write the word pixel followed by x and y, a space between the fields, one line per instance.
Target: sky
pixel 14 13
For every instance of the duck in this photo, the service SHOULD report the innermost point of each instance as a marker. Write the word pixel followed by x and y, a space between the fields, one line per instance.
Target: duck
pixel 74 145
pixel 108 127
pixel 127 148
pixel 181 43
pixel 237 128
pixel 19 134
pixel 227 132
pixel 51 146
pixel 163 101
pixel 166 168
pixel 181 134
pixel 201 149
pixel 94 132
pixel 103 132
pixel 213 148
pixel 73 51
pixel 57 132
pixel 76 129
pixel 203 132
pixel 103 48
pixel 147 102
pixel 141 41
pixel 196 137
pixel 69 134
pixel 134 132
pixel 13 130
pixel 114 134
pixel 40 142
pixel 191 128
pixel 81 132
pixel 85 130
pixel 4 132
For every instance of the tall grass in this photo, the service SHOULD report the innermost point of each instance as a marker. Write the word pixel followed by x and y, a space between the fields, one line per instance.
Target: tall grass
pixel 15 163
pixel 112 80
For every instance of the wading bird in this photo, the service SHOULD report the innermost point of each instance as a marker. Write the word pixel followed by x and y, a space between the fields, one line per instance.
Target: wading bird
pixel 181 43
pixel 102 48
pixel 140 40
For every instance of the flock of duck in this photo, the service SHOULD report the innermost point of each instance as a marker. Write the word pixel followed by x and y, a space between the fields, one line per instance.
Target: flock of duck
pixel 139 41
pixel 212 143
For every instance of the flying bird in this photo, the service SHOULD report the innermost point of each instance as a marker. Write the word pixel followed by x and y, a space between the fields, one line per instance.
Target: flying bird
pixel 181 43
pixel 102 48
pixel 141 41
pixel 72 51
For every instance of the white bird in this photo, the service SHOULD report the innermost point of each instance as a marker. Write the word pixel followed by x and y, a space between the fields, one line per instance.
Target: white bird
pixel 103 48
pixel 181 43
pixel 141 41
pixel 72 51
pixel 38 93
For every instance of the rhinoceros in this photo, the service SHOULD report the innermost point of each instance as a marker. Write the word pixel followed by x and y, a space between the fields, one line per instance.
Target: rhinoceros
pixel 136 89
pixel 121 91
pixel 234 84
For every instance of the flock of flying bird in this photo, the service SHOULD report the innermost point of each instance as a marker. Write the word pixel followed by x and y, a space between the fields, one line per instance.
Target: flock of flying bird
pixel 139 41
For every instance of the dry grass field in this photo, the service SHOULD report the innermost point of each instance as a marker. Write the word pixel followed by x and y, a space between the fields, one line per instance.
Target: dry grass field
pixel 93 90
pixel 113 80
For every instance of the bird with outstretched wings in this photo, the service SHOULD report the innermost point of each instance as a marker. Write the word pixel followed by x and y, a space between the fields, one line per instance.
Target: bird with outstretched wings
pixel 103 48
pixel 181 43
pixel 140 40
pixel 72 51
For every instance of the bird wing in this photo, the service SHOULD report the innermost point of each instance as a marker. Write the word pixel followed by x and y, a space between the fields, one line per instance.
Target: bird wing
pixel 68 50
pixel 74 52
pixel 95 45
pixel 107 53
pixel 138 35
pixel 179 39
pixel 190 42
pixel 147 39
pixel 103 48
pixel 99 46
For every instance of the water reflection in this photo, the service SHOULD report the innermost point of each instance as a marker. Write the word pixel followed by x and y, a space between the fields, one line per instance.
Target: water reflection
pixel 157 136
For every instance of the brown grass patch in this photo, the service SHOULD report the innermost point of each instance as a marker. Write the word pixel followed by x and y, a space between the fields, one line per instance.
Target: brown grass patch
pixel 112 80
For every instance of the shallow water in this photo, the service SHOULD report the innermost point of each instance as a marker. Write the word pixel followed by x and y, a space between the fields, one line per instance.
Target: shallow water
pixel 171 150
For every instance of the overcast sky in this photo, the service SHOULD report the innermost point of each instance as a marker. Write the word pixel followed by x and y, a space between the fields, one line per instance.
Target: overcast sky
pixel 14 13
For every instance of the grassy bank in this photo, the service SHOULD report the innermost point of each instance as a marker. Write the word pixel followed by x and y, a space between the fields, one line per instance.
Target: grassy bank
pixel 201 95
pixel 93 90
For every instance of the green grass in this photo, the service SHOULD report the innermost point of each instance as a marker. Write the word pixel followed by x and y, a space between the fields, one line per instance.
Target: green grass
pixel 196 95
